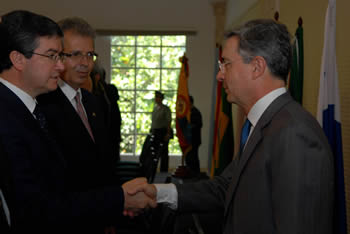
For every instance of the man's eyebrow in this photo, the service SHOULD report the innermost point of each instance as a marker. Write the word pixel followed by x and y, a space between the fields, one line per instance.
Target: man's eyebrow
pixel 52 50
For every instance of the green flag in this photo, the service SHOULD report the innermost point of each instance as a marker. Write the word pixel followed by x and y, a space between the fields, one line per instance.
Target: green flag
pixel 297 72
pixel 222 151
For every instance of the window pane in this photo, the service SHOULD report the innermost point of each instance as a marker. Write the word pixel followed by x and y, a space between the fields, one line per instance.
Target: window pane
pixel 143 122
pixel 148 79
pixel 123 78
pixel 171 56
pixel 126 101
pixel 139 143
pixel 148 40
pixel 122 56
pixel 148 57
pixel 144 101
pixel 127 144
pixel 128 123
pixel 123 40
pixel 174 41
pixel 170 79
pixel 174 147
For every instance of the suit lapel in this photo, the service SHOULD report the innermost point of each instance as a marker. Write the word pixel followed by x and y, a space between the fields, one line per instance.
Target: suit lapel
pixel 253 141
pixel 71 114
pixel 16 106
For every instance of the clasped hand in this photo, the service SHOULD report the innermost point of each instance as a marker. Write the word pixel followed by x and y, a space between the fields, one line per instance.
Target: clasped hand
pixel 138 196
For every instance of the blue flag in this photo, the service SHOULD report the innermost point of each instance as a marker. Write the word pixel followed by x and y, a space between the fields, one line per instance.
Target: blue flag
pixel 328 113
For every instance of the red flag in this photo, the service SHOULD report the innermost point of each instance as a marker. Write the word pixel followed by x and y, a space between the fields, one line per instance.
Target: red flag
pixel 183 110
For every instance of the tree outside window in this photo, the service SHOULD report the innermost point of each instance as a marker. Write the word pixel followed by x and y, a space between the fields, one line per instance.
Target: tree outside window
pixel 140 65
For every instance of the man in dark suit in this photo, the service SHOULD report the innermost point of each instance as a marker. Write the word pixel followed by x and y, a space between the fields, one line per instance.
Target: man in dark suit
pixel 282 181
pixel 86 146
pixel 36 191
pixel 108 97
pixel 192 158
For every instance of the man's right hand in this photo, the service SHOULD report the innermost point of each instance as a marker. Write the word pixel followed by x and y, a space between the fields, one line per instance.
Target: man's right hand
pixel 138 196
pixel 142 192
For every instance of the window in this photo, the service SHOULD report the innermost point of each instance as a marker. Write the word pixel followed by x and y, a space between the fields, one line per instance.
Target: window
pixel 140 65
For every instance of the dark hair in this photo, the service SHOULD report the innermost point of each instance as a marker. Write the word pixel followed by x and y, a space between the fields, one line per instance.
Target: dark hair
pixel 268 39
pixel 159 94
pixel 191 99
pixel 77 25
pixel 20 31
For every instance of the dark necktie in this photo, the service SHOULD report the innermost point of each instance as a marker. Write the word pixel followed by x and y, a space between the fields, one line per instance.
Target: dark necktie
pixel 40 117
pixel 244 134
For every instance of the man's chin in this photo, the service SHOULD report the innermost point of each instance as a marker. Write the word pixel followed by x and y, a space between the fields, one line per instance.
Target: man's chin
pixel 52 85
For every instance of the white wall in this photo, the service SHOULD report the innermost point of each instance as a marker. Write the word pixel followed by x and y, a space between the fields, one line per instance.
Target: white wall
pixel 194 15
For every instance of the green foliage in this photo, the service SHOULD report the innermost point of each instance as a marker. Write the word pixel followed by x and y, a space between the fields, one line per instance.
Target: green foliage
pixel 140 65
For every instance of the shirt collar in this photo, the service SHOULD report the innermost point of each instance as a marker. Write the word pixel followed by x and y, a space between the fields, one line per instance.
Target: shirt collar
pixel 28 100
pixel 68 90
pixel 262 104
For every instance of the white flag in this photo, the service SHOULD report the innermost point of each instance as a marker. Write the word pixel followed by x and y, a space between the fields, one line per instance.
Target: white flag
pixel 328 112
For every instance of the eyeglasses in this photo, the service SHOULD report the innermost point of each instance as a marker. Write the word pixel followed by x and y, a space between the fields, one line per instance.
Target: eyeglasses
pixel 78 56
pixel 222 66
pixel 53 57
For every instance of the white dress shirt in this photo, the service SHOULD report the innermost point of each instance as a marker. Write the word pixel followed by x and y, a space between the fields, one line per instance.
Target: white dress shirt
pixel 167 193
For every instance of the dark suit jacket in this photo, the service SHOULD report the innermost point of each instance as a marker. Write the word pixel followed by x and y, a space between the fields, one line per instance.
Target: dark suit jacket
pixel 89 164
pixel 36 193
pixel 282 183
pixel 196 123
pixel 108 96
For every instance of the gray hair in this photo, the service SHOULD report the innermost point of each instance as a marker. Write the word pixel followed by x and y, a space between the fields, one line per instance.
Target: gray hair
pixel 78 25
pixel 268 39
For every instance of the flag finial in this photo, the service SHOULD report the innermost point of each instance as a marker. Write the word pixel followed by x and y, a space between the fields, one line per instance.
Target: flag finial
pixel 300 21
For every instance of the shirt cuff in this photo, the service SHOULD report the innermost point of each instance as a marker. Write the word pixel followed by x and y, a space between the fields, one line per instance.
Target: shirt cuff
pixel 167 193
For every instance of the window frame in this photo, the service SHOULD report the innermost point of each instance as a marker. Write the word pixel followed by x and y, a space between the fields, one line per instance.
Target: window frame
pixel 134 112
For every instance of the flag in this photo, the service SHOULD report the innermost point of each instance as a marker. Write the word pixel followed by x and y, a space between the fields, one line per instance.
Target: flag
pixel 328 113
pixel 223 132
pixel 183 110
pixel 212 107
pixel 296 78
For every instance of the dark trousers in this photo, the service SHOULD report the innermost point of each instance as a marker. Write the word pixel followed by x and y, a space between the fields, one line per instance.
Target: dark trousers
pixel 192 159
pixel 160 134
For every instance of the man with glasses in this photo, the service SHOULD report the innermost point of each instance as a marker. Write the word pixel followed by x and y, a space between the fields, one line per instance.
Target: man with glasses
pixel 282 180
pixel 38 198
pixel 74 116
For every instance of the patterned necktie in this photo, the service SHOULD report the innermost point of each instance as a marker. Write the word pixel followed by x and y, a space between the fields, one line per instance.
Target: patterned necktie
pixel 40 117
pixel 82 115
pixel 244 134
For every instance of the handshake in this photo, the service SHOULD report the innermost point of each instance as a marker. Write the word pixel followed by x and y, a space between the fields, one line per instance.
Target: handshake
pixel 138 196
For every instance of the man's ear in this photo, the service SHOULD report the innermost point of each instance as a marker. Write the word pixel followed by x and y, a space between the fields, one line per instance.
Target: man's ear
pixel 18 60
pixel 258 66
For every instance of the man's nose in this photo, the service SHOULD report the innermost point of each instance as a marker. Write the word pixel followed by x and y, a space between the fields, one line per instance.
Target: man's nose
pixel 60 65
pixel 220 76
